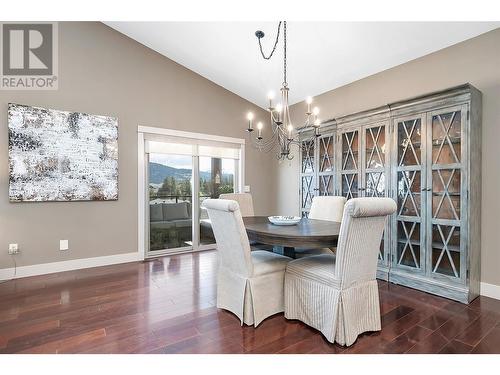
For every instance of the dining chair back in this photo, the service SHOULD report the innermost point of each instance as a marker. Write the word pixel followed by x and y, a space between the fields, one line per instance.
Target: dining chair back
pixel 244 200
pixel 360 235
pixel 328 208
pixel 233 246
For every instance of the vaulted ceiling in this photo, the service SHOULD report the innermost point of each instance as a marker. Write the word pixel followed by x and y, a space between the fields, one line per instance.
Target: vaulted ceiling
pixel 321 55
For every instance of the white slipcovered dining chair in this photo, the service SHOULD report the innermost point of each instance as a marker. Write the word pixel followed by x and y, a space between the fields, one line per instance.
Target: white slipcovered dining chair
pixel 338 294
pixel 328 208
pixel 244 200
pixel 249 284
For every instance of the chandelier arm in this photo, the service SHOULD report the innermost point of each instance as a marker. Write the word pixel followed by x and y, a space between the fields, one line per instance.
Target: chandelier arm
pixel 267 144
pixel 274 118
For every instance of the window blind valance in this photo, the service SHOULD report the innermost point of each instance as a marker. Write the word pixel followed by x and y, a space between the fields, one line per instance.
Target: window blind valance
pixel 194 147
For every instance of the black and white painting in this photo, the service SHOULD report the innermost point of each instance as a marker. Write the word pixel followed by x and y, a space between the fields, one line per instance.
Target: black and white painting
pixel 61 156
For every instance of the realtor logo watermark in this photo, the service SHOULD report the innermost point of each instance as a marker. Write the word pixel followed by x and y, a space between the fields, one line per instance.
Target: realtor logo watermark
pixel 29 56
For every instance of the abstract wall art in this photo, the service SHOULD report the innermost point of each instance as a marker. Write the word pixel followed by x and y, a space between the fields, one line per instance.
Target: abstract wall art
pixel 61 156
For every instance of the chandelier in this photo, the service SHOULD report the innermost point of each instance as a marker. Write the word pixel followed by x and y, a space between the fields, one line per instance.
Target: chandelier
pixel 282 129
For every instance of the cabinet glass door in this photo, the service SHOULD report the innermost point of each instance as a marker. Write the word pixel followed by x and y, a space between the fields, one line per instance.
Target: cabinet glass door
pixel 375 170
pixel 446 255
pixel 326 169
pixel 349 171
pixel 375 161
pixel 410 189
pixel 307 176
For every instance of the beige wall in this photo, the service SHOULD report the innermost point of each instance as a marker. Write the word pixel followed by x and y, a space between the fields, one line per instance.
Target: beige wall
pixel 476 61
pixel 103 72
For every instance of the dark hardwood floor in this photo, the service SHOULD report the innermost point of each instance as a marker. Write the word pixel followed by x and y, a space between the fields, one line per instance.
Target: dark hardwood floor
pixel 168 306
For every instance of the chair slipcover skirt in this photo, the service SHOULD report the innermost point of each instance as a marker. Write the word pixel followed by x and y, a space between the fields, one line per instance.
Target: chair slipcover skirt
pixel 251 299
pixel 340 315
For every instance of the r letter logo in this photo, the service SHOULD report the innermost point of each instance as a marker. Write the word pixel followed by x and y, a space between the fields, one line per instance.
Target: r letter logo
pixel 29 56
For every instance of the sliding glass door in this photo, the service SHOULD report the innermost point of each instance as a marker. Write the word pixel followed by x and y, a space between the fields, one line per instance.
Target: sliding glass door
pixel 179 177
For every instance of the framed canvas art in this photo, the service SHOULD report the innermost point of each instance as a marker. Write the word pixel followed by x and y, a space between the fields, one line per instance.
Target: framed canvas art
pixel 61 156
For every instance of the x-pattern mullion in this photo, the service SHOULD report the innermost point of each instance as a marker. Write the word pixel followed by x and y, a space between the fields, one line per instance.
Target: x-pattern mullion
pixel 349 184
pixel 446 130
pixel 326 157
pixel 408 243
pixel 326 183
pixel 375 182
pixel 446 194
pixel 308 159
pixel 375 146
pixel 307 197
pixel 409 143
pixel 349 149
pixel 408 193
pixel 445 249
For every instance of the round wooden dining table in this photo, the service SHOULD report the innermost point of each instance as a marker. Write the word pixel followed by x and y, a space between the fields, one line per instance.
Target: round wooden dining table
pixel 308 233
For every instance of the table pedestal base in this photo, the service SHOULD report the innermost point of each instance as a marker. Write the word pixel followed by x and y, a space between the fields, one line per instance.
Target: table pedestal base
pixel 284 250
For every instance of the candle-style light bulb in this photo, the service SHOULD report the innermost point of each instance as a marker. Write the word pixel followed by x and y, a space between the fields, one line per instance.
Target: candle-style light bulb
pixel 270 97
pixel 315 111
pixel 278 110
pixel 259 128
pixel 309 101
pixel 290 130
pixel 250 119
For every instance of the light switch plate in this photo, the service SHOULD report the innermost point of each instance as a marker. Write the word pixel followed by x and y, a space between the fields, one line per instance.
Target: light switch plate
pixel 63 245
pixel 247 188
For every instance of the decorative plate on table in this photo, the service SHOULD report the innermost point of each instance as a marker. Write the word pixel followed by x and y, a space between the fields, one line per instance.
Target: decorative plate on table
pixel 284 220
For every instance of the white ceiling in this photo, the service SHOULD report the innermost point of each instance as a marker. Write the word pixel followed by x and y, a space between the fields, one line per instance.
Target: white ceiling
pixel 321 55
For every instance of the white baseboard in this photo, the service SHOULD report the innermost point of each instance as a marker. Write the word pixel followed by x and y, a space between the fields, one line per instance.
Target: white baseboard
pixel 490 290
pixel 67 265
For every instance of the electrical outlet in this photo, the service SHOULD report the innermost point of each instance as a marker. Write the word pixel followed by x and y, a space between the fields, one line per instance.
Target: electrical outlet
pixel 13 249
pixel 63 245
pixel 247 188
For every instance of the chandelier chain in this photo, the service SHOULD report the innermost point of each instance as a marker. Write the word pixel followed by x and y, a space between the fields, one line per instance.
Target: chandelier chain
pixel 284 52
pixel 275 44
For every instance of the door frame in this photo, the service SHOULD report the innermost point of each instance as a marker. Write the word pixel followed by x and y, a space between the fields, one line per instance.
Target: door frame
pixel 142 199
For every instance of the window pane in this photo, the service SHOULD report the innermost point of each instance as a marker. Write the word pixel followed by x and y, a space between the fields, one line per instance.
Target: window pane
pixel 170 212
pixel 217 176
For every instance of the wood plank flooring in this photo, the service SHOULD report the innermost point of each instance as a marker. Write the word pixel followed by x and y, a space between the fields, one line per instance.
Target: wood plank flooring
pixel 168 306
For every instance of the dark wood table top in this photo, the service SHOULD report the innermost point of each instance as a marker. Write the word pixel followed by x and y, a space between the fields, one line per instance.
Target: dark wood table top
pixel 307 233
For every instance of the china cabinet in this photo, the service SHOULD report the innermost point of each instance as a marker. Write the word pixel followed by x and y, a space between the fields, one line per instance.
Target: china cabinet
pixel 317 163
pixel 425 153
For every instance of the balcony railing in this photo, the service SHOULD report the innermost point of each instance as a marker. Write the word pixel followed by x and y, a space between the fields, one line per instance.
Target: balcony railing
pixel 177 198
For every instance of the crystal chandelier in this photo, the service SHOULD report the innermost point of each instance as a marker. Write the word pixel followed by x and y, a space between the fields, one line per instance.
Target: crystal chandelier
pixel 282 129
